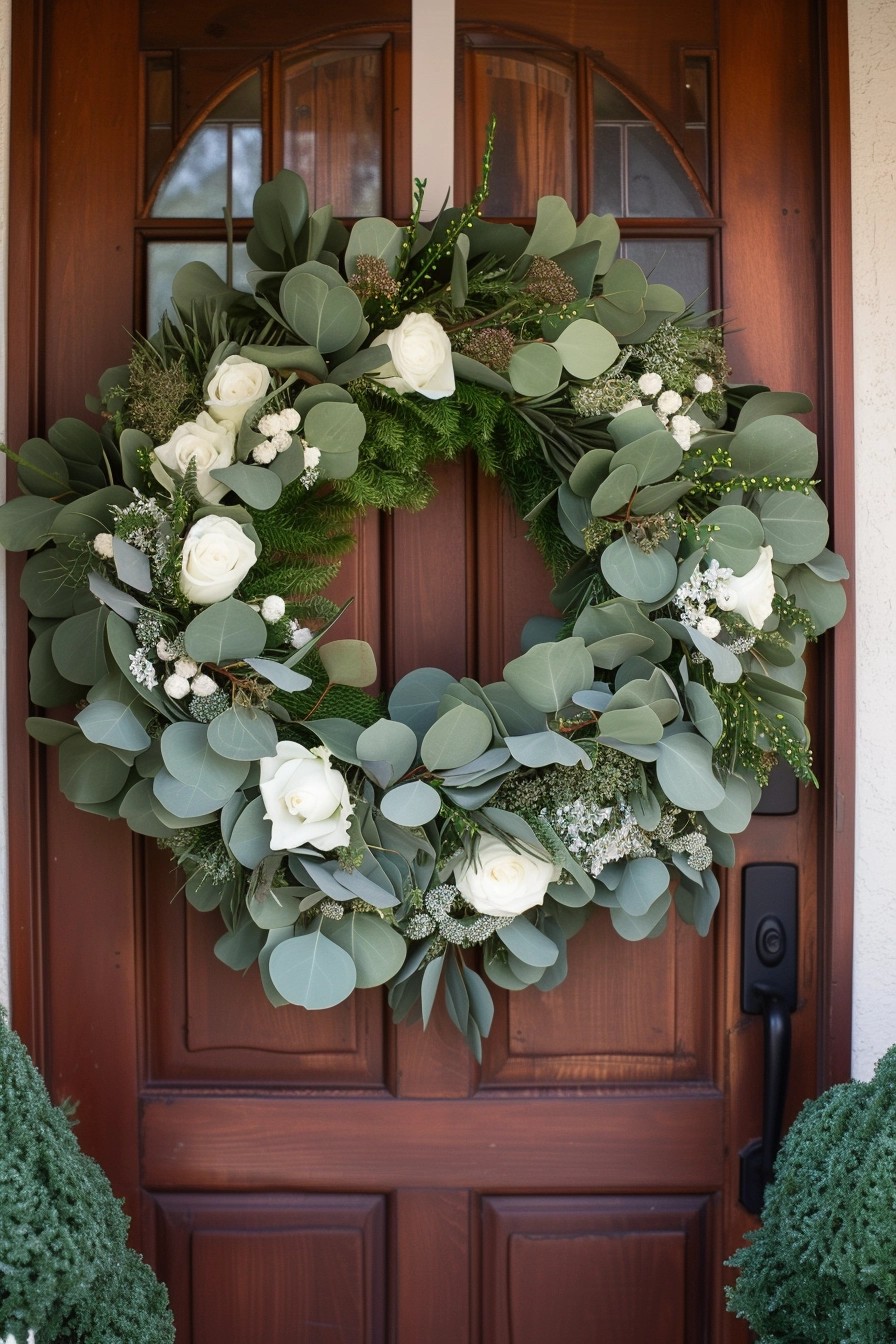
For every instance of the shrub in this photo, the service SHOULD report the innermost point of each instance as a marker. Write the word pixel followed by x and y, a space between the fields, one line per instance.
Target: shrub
pixel 822 1267
pixel 65 1269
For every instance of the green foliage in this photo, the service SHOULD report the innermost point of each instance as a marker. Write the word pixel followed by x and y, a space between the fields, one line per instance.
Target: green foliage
pixel 822 1267
pixel 66 1270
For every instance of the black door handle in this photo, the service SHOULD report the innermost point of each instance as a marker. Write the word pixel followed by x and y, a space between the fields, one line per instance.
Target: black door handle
pixel 768 986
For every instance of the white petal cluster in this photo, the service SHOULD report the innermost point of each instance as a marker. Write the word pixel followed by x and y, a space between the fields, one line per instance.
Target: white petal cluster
pixel 278 428
pixel 273 609
pixel 203 685
pixel 683 429
pixel 703 383
pixel 299 635
pixel 176 687
pixel 650 384
pixel 667 403
pixel 102 544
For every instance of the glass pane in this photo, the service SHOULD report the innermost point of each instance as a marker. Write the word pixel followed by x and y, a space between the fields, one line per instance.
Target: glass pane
pixel 657 185
pixel 533 98
pixel 683 263
pixel 636 171
pixel 220 165
pixel 333 129
pixel 246 171
pixel 696 114
pixel 159 114
pixel 164 260
pixel 196 186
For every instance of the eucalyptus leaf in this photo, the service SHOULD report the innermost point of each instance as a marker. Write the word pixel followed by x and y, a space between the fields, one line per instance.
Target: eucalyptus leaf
pixel 284 678
pixel 348 662
pixel 684 770
pixel 89 773
pixel 527 943
pixel 647 576
pixel 312 971
pixel 535 370
pixel 243 734
pixel 376 949
pixel 26 522
pixel 412 804
pixel 586 349
pixel 113 725
pixel 547 676
pixel 226 631
pixel 456 738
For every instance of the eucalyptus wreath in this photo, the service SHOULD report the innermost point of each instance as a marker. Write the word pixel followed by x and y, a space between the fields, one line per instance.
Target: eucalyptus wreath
pixel 451 833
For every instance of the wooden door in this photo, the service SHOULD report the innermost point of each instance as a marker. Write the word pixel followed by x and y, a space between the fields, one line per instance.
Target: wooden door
pixel 317 1178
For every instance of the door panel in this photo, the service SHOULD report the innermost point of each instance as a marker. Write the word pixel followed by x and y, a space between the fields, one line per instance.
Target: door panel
pixel 323 1177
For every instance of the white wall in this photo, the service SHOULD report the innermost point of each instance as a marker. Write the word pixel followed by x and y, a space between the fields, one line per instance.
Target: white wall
pixel 872 40
pixel 873 76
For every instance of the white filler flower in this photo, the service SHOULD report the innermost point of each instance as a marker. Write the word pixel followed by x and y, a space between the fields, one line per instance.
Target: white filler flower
pixel 503 881
pixel 307 802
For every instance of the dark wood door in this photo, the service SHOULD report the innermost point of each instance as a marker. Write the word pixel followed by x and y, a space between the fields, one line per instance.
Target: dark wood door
pixel 327 1177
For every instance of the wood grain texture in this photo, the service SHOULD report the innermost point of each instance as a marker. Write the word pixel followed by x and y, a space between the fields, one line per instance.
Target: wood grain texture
pixel 557 1143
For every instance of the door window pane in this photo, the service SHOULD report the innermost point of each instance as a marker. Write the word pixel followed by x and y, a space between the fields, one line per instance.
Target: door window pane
pixel 637 174
pixel 333 128
pixel 220 166
pixel 164 260
pixel 683 263
pixel 532 95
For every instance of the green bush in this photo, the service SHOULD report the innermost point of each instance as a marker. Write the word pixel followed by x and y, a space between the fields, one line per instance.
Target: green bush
pixel 822 1267
pixel 65 1270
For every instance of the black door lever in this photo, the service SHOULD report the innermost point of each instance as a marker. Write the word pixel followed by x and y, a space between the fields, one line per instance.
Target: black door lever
pixel 768 986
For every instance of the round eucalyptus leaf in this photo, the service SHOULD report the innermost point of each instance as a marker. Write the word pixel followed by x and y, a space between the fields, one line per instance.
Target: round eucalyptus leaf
pixel 733 813
pixel 528 944
pixel 204 893
pixel 279 909
pixel 45 586
pixel 312 971
pixel 226 631
pixel 49 731
pixel 26 522
pixel 637 423
pixel 185 800
pixel 113 725
pixel 554 230
pixel 456 738
pixel 41 470
pixel 92 513
pixel 47 687
pixel 646 576
pixel 635 927
pixel 337 429
pixel 79 646
pixel 89 773
pixel 498 970
pixel 243 734
pixel 643 882
pixel 547 748
pixel 684 770
pixel 535 370
pixel 250 838
pixel 590 471
pixel 586 348
pixel 795 525
pixel 240 948
pixel 388 741
pixel 825 602
pixel 376 949
pixel 348 662
pixel 775 405
pixel 190 758
pixel 658 498
pixel 655 457
pixel 415 698
pixel 735 539
pixel 548 675
pixel 255 486
pixel 614 493
pixel 638 726
pixel 412 804
pixel 137 810
pixel 703 711
pixel 326 316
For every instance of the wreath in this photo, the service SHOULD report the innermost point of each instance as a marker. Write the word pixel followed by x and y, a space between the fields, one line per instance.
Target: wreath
pixel 453 833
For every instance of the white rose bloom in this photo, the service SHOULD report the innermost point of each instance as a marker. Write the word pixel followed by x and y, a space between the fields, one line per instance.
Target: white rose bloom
pixel 306 800
pixel 669 403
pixel 501 881
pixel 703 383
pixel 176 687
pixel 752 594
pixel 421 357
pixel 216 557
pixel 206 443
pixel 650 384
pixel 235 385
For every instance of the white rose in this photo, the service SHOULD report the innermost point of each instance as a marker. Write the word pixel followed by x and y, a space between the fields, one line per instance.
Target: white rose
pixel 206 443
pixel 306 800
pixel 752 594
pixel 217 556
pixel 421 357
pixel 235 385
pixel 502 881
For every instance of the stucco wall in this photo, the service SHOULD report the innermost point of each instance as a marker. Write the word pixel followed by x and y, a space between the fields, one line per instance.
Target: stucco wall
pixel 873 92
pixel 873 74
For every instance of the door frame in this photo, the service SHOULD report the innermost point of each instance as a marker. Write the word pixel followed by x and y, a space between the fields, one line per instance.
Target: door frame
pixel 27 802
